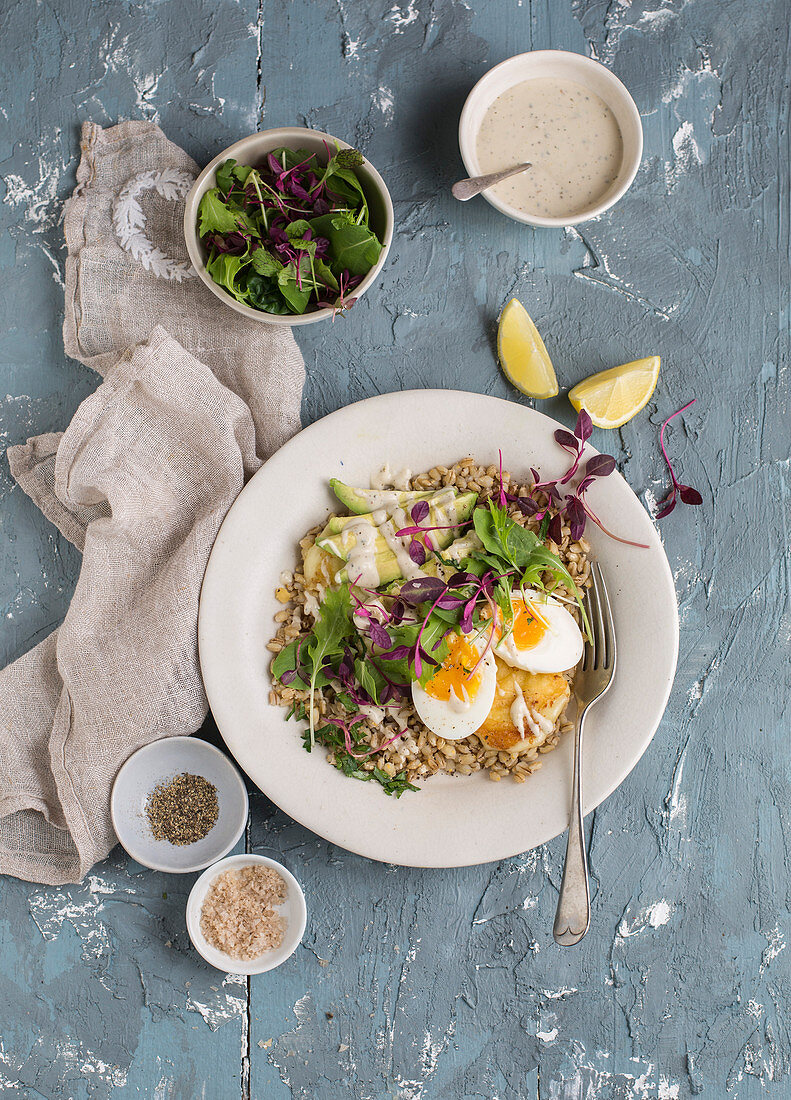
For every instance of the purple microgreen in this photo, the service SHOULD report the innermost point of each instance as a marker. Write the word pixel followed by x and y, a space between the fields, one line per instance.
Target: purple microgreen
pixel 575 517
pixel 378 635
pixel 398 653
pixel 419 511
pixel 583 429
pixel 287 676
pixel 417 552
pixel 397 611
pixel 554 530
pixel 458 580
pixel 528 506
pixel 687 494
pixel 421 590
pixel 592 516
pixel 566 440
pixel 599 466
pixel 422 530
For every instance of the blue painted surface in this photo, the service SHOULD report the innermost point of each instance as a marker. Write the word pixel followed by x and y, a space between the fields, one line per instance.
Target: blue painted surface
pixel 447 985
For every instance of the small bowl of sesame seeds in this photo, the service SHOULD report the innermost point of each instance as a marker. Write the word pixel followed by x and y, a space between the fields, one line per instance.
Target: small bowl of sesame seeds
pixel 178 805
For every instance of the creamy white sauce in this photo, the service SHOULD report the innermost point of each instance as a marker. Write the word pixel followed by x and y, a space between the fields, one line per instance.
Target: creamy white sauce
pixel 568 134
pixel 389 517
pixel 402 479
pixel 459 704
pixel 383 478
pixel 361 563
pixel 526 719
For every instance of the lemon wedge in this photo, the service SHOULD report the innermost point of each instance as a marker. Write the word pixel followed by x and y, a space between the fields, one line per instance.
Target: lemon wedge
pixel 614 396
pixel 523 357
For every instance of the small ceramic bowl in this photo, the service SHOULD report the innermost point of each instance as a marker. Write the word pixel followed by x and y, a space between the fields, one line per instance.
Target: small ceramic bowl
pixel 157 763
pixel 252 150
pixel 293 910
pixel 557 65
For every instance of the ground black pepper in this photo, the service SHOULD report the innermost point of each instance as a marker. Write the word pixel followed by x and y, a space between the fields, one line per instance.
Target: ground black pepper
pixel 182 810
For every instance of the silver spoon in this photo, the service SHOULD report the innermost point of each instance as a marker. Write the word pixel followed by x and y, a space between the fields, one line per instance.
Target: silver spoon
pixel 467 189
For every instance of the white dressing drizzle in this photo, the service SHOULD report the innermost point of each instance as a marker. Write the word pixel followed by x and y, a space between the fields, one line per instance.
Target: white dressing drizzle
pixel 389 517
pixel 361 564
pixel 525 718
pixel 402 479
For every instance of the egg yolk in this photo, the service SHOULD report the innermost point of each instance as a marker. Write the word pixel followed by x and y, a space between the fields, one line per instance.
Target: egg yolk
pixel 454 673
pixel 529 629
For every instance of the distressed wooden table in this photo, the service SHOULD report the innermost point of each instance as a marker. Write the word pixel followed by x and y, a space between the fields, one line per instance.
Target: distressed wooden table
pixel 447 984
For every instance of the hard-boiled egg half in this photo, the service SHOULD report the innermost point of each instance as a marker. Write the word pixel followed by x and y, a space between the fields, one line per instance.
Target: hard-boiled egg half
pixel 456 700
pixel 544 636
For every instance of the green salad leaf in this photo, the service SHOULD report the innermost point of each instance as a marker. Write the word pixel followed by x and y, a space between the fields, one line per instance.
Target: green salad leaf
pixel 214 215
pixel 333 626
pixel 302 224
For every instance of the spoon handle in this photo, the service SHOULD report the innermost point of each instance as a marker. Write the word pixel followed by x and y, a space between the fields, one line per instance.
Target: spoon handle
pixel 467 189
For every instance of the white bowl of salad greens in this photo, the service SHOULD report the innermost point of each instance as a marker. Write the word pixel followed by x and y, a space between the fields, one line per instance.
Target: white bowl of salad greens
pixel 289 226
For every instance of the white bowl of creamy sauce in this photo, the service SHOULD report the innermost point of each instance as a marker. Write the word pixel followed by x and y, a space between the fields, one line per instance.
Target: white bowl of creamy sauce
pixel 570 118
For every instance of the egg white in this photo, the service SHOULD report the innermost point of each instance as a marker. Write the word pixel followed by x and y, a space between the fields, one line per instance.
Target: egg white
pixel 558 650
pixel 456 718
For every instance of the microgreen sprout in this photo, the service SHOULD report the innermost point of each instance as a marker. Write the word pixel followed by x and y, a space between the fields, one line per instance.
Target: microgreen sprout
pixel 686 493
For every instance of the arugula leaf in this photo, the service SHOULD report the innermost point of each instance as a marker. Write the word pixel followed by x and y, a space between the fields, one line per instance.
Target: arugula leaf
pixel 213 214
pixel 332 628
pixel 503 537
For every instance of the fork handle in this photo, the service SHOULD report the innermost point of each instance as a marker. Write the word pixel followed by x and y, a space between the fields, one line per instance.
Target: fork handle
pixel 574 908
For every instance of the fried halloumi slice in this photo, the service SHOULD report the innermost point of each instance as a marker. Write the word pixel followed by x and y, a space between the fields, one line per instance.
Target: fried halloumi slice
pixel 545 693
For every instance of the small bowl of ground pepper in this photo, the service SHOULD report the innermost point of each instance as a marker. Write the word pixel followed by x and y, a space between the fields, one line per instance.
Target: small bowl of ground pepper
pixel 178 805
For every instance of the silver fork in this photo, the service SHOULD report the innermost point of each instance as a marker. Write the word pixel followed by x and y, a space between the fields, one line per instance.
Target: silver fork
pixel 591 682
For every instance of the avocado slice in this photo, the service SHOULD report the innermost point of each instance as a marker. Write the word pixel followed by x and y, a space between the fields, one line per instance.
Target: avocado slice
pixel 338 540
pixel 462 547
pixel 362 501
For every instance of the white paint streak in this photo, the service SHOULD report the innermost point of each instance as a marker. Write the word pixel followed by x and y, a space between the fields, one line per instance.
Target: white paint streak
pixel 686 154
pixel 384 101
pixel 653 916
pixel 403 17
pixel 547 1036
pixel 226 1003
pixel 775 944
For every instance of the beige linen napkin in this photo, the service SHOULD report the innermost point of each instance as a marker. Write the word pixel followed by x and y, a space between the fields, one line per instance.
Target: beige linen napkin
pixel 140 481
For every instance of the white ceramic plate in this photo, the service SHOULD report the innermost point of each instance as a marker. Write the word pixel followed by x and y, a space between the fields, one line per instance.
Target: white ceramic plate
pixel 452 821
